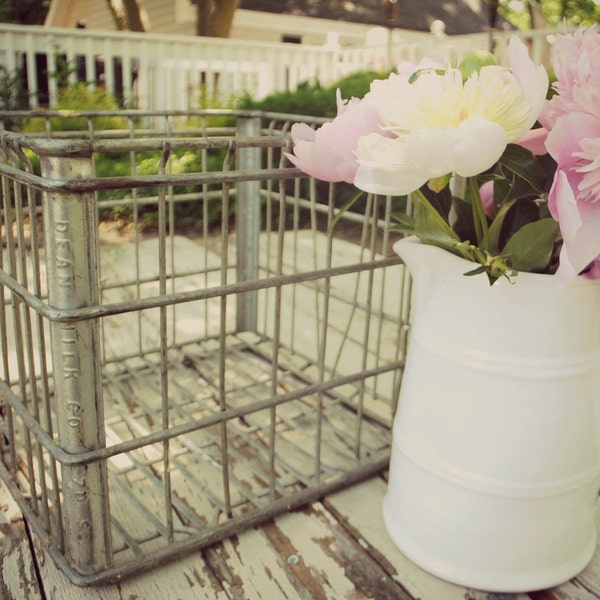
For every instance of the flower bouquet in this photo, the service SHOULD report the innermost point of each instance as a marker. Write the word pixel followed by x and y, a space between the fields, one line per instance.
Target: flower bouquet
pixel 500 175
pixel 495 462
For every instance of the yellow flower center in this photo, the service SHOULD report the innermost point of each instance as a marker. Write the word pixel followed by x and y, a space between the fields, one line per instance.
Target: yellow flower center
pixel 443 100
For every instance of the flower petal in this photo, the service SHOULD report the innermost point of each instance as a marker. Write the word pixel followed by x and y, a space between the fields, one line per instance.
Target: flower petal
pixel 579 226
pixel 535 141
pixel 328 152
pixel 533 80
pixel 470 155
pixel 316 161
pixel 302 131
pixel 486 193
pixel 384 168
pixel 565 137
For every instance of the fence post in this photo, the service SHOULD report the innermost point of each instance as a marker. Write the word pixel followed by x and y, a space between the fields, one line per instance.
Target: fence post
pixel 70 234
pixel 247 218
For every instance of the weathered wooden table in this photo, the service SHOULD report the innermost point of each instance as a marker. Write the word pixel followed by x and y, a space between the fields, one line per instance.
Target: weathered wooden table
pixel 333 549
pixel 315 286
pixel 336 549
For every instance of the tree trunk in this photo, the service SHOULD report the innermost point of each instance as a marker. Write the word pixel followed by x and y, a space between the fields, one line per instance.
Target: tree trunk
pixel 538 21
pixel 214 17
pixel 134 15
pixel 127 15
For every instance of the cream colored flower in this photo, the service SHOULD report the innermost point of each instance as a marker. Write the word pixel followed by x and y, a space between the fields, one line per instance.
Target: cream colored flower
pixel 444 125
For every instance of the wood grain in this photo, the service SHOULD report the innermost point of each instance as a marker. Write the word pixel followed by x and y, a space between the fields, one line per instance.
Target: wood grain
pixel 336 549
pixel 18 577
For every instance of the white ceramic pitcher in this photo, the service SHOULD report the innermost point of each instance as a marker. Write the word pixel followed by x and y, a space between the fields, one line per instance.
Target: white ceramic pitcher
pixel 495 464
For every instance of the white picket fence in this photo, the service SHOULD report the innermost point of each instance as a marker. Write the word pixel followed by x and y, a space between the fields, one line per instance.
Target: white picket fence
pixel 172 72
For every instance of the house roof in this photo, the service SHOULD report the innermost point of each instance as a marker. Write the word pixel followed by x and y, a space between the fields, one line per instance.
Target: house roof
pixel 459 16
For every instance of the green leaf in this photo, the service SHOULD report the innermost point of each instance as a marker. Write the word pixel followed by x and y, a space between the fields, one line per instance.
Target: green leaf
pixel 498 224
pixel 525 165
pixel 406 223
pixel 521 189
pixel 440 200
pixel 476 271
pixel 530 248
pixel 430 226
pixel 463 221
pixel 501 189
pixel 521 213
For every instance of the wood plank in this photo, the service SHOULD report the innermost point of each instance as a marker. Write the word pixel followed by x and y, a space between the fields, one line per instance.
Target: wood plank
pixel 571 590
pixel 18 577
pixel 181 579
pixel 346 504
pixel 301 555
pixel 589 579
pixel 359 508
pixel 326 551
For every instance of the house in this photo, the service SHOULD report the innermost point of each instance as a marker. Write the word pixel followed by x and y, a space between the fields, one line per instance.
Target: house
pixel 347 22
pixel 274 45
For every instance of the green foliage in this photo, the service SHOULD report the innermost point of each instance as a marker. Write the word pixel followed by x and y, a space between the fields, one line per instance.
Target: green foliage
pixel 358 84
pixel 308 99
pixel 520 235
pixel 555 12
pixel 141 206
pixel 24 12
pixel 13 95
pixel 313 99
pixel 81 97
pixel 532 245
pixel 123 204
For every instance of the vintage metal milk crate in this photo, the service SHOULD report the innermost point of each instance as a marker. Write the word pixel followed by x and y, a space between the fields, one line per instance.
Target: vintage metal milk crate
pixel 195 336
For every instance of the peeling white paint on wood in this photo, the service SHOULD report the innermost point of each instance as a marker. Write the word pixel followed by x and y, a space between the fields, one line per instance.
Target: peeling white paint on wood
pixel 588 581
pixel 360 508
pixel 18 580
pixel 334 550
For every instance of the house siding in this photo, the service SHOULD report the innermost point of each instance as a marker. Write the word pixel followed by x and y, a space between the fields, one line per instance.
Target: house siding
pixel 178 17
pixel 67 13
pixel 166 17
pixel 163 17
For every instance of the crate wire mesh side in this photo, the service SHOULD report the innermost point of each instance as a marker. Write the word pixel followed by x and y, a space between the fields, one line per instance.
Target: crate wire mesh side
pixel 176 381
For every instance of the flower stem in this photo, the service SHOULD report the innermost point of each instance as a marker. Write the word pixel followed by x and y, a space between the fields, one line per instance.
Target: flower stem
pixel 479 219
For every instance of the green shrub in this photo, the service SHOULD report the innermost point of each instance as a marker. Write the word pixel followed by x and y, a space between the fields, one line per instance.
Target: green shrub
pixel 81 97
pixel 13 93
pixel 188 212
pixel 313 99
pixel 308 99
pixel 356 85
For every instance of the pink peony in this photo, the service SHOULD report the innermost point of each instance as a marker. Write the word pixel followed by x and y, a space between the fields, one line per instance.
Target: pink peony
pixel 328 152
pixel 576 62
pixel 573 118
pixel 574 142
pixel 486 193
pixel 535 141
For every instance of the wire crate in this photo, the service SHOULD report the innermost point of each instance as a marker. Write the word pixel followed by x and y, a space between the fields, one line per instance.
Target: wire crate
pixel 192 343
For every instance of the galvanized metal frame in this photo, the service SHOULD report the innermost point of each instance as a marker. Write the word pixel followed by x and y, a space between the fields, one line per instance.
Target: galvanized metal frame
pixel 87 430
